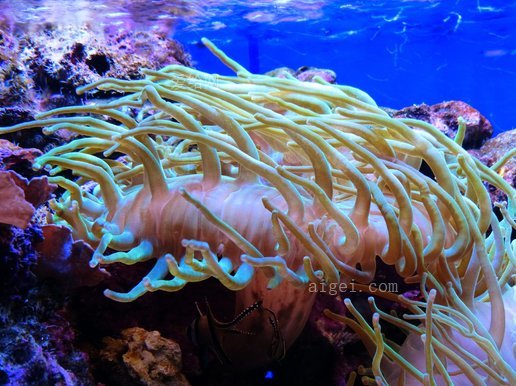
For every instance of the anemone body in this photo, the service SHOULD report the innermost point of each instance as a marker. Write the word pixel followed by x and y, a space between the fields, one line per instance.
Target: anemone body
pixel 165 221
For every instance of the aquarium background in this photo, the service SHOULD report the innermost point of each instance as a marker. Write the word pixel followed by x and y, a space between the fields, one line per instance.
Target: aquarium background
pixel 402 52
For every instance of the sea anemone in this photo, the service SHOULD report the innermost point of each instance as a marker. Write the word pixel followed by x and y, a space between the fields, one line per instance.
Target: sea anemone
pixel 271 184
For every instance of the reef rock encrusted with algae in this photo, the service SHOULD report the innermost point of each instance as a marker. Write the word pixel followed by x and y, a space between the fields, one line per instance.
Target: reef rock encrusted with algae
pixel 277 187
pixel 36 339
pixel 494 150
pixel 41 67
pixel 145 356
pixel 446 117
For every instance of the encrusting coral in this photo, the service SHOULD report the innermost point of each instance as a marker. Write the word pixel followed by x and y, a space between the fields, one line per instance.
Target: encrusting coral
pixel 275 186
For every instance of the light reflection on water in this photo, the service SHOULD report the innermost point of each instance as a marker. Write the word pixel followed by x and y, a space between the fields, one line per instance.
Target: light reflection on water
pixel 204 14
pixel 161 14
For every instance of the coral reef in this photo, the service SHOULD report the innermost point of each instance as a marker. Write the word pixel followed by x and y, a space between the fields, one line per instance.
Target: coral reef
pixel 14 84
pixel 19 196
pixel 447 117
pixel 41 68
pixel 36 339
pixel 41 354
pixel 59 59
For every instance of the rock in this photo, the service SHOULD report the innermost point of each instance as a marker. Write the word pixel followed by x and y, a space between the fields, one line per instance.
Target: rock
pixel 494 149
pixel 145 357
pixel 304 74
pixel 36 340
pixel 13 157
pixel 15 86
pixel 13 114
pixel 41 69
pixel 24 360
pixel 307 74
pixel 65 260
pixel 445 116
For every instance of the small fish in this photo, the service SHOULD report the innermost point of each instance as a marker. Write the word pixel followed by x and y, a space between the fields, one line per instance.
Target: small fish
pixel 226 341
pixel 277 349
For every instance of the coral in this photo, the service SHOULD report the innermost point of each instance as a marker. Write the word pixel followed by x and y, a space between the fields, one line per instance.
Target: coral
pixel 14 84
pixel 25 361
pixel 61 58
pixel 16 114
pixel 277 187
pixel 40 68
pixel 18 257
pixel 14 209
pixel 145 357
pixel 18 197
pixel 36 341
pixel 16 158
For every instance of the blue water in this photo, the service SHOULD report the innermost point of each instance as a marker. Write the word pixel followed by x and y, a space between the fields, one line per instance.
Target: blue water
pixel 402 52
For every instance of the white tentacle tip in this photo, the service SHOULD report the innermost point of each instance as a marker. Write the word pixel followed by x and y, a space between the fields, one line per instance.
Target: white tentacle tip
pixel 95 260
pixel 147 283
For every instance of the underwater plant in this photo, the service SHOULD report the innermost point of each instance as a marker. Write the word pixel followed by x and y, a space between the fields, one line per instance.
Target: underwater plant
pixel 270 185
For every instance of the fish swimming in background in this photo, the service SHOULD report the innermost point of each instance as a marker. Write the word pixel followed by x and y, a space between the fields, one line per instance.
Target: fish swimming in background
pixel 224 339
